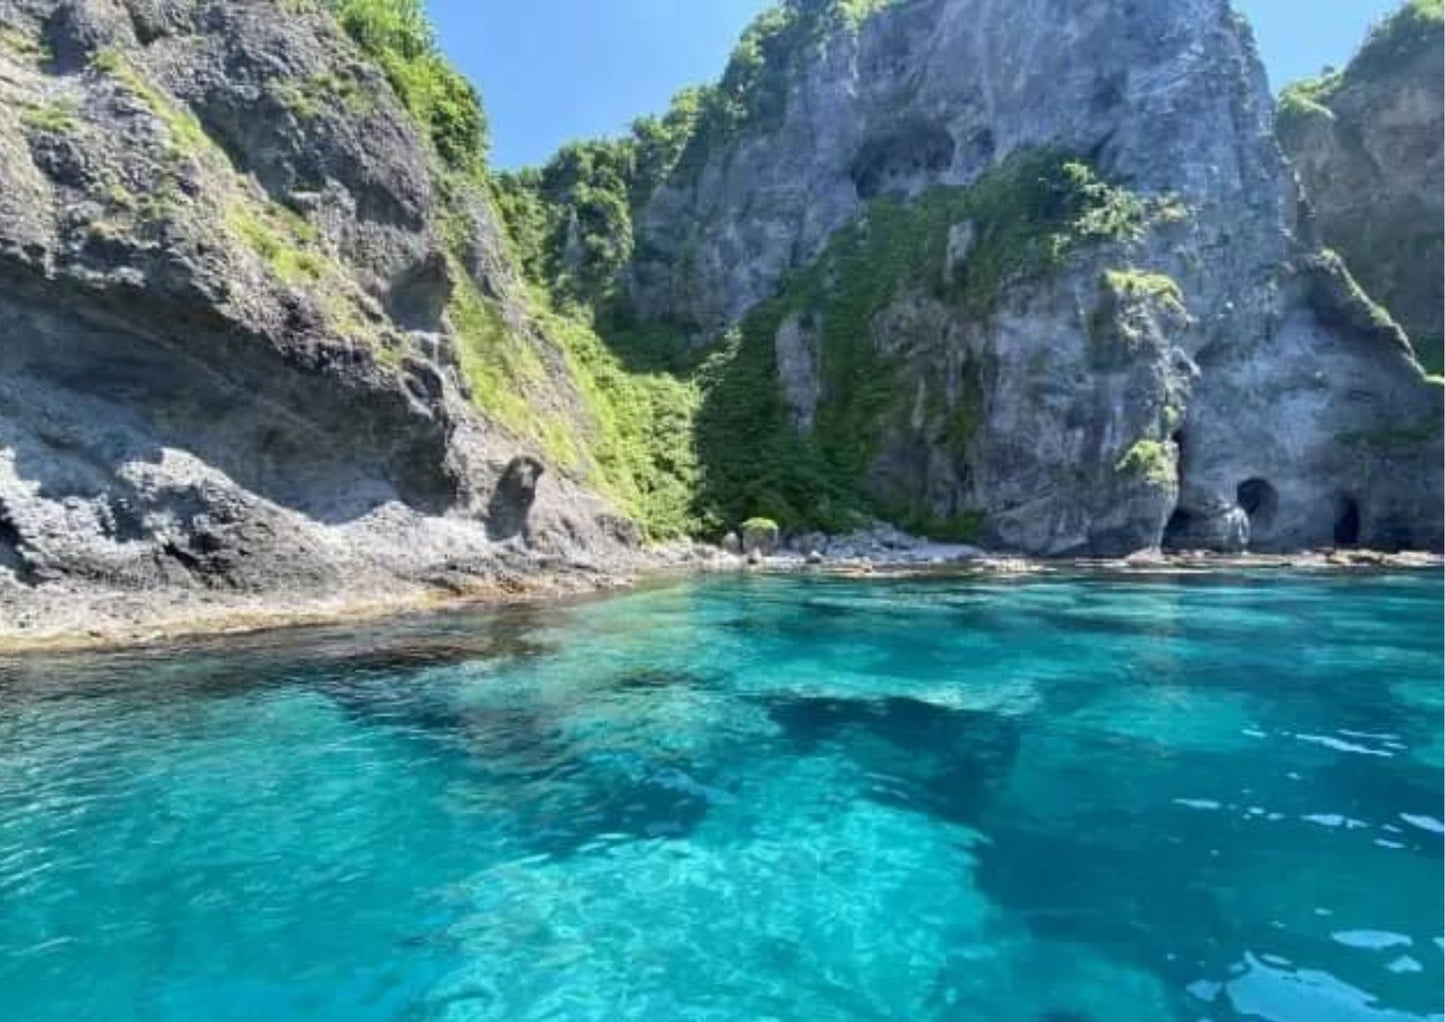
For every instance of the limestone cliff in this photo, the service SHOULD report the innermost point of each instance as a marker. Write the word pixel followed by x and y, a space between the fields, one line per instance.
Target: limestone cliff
pixel 1103 327
pixel 259 332
pixel 1366 142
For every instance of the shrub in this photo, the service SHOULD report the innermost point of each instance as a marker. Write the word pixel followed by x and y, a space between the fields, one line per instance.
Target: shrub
pixel 1149 460
pixel 760 534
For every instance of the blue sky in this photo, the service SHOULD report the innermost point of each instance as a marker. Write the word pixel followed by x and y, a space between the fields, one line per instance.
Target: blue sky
pixel 556 70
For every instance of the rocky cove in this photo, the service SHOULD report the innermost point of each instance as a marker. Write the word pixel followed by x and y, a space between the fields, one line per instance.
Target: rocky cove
pixel 1034 278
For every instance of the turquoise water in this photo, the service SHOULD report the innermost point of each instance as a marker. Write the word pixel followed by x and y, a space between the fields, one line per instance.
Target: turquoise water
pixel 1053 800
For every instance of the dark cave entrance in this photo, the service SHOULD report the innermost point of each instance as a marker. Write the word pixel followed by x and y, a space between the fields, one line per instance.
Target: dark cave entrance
pixel 1347 522
pixel 1177 530
pixel 10 556
pixel 1181 523
pixel 1259 500
pixel 1181 456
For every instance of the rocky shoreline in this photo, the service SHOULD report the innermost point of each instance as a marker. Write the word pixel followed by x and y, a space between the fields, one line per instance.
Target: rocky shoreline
pixel 67 617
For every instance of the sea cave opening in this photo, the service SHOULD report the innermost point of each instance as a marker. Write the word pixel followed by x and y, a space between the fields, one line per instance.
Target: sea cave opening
pixel 1177 530
pixel 1259 500
pixel 1347 522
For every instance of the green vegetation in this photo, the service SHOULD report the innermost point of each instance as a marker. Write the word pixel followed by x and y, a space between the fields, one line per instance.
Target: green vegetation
pixel 400 38
pixel 18 43
pixel 290 248
pixel 642 444
pixel 1133 283
pixel 281 241
pixel 752 93
pixel 697 443
pixel 754 463
pixel 1338 298
pixel 1388 245
pixel 1308 98
pixel 759 534
pixel 56 117
pixel 1027 216
pixel 1122 321
pixel 187 137
pixel 572 219
pixel 634 443
pixel 1413 27
pixel 1416 24
pixel 964 527
pixel 499 366
pixel 308 97
pixel 1149 460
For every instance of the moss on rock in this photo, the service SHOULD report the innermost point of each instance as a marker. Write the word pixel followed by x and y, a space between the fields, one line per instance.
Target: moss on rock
pixel 1149 460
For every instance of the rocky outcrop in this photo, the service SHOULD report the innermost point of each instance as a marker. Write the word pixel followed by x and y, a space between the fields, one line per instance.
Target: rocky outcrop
pixel 1026 273
pixel 1366 143
pixel 239 348
pixel 1170 360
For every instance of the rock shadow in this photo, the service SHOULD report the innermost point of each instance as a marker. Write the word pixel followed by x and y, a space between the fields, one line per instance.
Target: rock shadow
pixel 944 762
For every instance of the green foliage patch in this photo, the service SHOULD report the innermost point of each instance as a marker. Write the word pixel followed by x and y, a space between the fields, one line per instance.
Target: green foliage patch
pixel 572 219
pixel 1149 460
pixel 1119 326
pixel 281 242
pixel 309 97
pixel 398 35
pixel 642 444
pixel 57 117
pixel 18 43
pixel 1415 26
pixel 752 93
pixel 1025 218
pixel 187 136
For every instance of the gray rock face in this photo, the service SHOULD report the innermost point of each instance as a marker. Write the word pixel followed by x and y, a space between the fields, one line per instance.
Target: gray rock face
pixel 1273 409
pixel 224 359
pixel 1367 146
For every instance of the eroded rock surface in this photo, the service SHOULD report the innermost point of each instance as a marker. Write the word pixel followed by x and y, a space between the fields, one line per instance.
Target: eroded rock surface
pixel 1147 388
pixel 1366 142
pixel 228 356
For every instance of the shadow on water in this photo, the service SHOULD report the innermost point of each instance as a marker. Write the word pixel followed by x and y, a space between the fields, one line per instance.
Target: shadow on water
pixel 557 788
pixel 513 758
pixel 937 760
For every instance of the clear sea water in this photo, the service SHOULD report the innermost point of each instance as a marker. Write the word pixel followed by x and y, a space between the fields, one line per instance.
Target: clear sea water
pixel 1067 799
